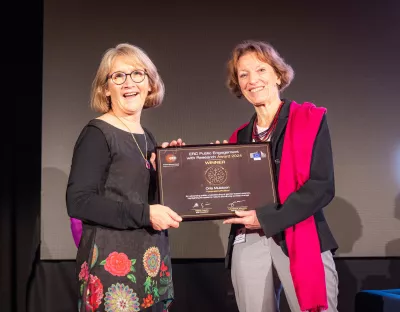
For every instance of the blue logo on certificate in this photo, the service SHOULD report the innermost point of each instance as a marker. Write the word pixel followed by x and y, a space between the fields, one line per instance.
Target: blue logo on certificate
pixel 257 155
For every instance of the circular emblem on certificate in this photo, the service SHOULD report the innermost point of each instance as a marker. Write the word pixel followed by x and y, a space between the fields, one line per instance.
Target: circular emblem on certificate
pixel 216 175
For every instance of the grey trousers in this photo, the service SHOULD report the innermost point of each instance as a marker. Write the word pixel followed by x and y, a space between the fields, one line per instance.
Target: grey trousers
pixel 260 269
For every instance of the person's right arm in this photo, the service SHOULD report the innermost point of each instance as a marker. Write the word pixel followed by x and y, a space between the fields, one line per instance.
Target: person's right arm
pixel 88 173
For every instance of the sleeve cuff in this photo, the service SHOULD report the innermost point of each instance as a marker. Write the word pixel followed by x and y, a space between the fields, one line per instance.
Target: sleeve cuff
pixel 139 216
pixel 146 215
pixel 266 222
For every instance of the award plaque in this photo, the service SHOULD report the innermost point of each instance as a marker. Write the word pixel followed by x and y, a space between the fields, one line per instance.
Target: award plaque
pixel 209 182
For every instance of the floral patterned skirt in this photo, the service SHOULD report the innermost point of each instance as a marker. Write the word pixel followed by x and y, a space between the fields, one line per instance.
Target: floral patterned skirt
pixel 124 270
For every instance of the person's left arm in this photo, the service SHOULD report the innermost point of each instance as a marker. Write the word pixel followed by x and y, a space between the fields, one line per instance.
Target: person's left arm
pixel 311 197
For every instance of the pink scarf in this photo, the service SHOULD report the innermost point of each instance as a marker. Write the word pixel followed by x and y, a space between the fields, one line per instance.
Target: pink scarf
pixel 302 240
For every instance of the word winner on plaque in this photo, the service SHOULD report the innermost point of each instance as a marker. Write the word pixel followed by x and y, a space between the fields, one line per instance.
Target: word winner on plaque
pixel 213 181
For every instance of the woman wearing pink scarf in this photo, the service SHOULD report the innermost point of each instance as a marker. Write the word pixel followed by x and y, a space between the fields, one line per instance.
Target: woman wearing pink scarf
pixel 286 244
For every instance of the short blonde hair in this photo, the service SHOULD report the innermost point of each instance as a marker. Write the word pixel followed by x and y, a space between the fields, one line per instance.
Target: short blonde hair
pixel 99 102
pixel 265 53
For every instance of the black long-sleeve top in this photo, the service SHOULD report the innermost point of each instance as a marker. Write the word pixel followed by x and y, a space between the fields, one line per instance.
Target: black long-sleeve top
pixel 108 183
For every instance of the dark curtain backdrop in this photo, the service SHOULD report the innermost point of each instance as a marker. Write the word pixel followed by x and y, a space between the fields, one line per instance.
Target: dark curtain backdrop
pixel 20 155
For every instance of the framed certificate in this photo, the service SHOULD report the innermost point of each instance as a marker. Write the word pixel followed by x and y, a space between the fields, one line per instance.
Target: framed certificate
pixel 209 182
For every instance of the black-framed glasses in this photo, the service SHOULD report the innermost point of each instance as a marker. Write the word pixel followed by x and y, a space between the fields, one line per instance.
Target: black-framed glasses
pixel 119 77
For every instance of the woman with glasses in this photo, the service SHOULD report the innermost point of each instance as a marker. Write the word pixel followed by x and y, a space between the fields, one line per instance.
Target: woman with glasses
pixel 123 259
pixel 287 243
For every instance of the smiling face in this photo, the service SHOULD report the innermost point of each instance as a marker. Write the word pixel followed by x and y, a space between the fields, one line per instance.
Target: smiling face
pixel 129 97
pixel 258 81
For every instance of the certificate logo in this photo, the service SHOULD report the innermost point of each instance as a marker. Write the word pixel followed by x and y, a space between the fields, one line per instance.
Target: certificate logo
pixel 258 155
pixel 170 158
pixel 216 175
pixel 237 205
pixel 202 208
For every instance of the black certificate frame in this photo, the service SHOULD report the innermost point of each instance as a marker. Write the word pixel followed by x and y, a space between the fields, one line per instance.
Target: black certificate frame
pixel 212 181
